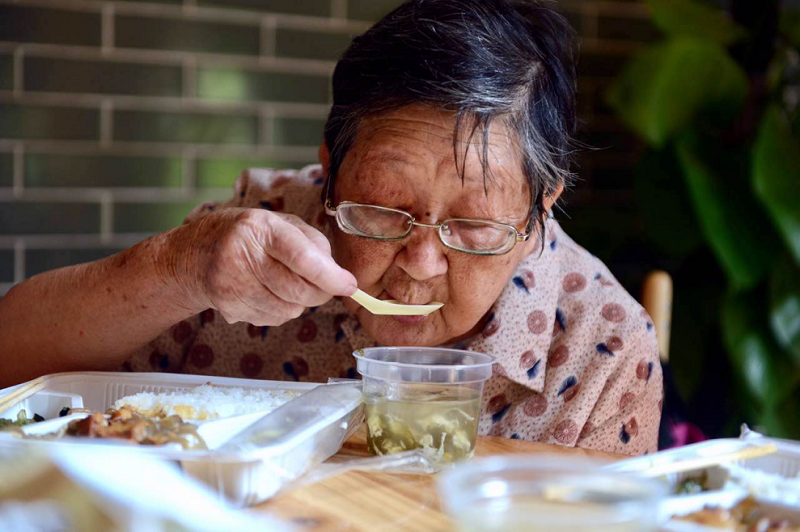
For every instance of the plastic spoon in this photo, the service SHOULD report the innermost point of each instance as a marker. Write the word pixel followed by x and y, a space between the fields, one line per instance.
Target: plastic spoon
pixel 392 307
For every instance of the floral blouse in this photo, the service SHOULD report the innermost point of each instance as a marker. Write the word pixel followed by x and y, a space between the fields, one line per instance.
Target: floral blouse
pixel 577 356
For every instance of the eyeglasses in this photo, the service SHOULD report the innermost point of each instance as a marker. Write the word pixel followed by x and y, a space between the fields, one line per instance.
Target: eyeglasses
pixel 477 237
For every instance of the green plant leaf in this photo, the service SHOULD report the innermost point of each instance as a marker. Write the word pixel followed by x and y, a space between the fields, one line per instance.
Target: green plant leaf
pixel 737 231
pixel 790 25
pixel 759 362
pixel 776 176
pixel 668 85
pixel 696 341
pixel 785 307
pixel 664 206
pixel 690 18
pixel 782 420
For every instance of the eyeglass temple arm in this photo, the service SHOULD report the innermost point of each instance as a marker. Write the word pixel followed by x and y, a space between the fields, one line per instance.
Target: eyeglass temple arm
pixel 327 196
pixel 330 210
pixel 523 237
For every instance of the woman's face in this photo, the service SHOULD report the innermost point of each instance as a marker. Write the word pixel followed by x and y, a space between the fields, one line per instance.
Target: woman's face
pixel 404 160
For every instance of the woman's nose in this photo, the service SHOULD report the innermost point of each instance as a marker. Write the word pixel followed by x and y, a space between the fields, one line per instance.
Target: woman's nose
pixel 423 255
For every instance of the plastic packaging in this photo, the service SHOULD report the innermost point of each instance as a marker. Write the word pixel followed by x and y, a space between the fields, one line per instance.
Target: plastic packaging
pixel 407 463
pixel 726 483
pixel 78 487
pixel 252 456
pixel 423 398
pixel 547 493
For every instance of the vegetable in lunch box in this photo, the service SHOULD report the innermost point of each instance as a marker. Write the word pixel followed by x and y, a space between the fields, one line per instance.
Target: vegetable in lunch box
pixel 692 485
pixel 22 419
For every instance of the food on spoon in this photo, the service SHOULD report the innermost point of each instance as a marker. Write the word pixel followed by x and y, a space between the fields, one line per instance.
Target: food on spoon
pixel 132 427
pixel 747 516
pixel 206 402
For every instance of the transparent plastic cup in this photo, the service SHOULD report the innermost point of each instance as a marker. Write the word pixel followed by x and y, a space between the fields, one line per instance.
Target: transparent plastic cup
pixel 548 493
pixel 423 398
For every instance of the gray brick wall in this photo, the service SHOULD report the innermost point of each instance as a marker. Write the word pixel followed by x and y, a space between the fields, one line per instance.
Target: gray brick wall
pixel 116 117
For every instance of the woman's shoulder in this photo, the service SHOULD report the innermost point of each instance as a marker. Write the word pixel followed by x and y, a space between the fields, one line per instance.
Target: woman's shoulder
pixel 581 271
pixel 596 318
pixel 289 191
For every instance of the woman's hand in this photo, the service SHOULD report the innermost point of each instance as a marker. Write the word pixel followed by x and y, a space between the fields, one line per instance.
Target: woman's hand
pixel 251 265
pixel 257 266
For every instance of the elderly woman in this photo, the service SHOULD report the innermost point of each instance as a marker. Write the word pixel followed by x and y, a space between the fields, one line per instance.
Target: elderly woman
pixel 446 148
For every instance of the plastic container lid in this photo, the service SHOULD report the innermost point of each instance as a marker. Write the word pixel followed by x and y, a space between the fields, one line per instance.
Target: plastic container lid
pixel 424 364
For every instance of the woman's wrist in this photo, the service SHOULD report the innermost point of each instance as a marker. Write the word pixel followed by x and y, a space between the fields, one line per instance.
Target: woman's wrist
pixel 180 256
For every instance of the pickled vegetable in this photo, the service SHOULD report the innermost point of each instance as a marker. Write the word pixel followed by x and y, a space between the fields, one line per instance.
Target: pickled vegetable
pixel 22 420
pixel 442 424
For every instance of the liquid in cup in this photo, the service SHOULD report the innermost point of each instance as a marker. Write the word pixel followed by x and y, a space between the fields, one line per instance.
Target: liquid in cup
pixel 423 398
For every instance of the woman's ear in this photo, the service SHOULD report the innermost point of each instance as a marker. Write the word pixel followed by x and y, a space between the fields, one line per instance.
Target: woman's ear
pixel 549 201
pixel 551 198
pixel 324 156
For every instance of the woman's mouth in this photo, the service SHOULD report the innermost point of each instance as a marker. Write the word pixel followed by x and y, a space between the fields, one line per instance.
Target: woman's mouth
pixel 405 320
pixel 409 320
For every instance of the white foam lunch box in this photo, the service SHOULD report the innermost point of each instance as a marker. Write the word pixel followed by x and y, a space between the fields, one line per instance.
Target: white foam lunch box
pixel 280 446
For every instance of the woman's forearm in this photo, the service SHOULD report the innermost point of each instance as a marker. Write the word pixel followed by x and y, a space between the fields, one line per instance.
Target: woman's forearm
pixel 93 316
pixel 251 265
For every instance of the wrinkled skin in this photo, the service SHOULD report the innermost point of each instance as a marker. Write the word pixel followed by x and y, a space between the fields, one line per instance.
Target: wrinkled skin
pixel 269 267
pixel 264 267
pixel 404 160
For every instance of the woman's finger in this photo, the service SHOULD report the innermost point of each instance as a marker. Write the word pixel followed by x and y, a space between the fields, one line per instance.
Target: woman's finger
pixel 258 305
pixel 290 287
pixel 319 240
pixel 289 245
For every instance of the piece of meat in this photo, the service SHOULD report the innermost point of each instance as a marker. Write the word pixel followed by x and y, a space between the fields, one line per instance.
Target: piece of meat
pixel 127 425
pixel 122 414
pixel 88 426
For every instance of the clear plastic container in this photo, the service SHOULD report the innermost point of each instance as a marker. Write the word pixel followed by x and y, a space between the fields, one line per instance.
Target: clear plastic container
pixel 770 480
pixel 423 398
pixel 250 457
pixel 548 493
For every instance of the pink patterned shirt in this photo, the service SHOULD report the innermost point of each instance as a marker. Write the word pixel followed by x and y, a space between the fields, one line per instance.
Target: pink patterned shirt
pixel 577 356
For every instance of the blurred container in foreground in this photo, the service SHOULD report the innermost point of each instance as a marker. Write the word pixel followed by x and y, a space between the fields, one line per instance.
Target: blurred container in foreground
pixel 548 493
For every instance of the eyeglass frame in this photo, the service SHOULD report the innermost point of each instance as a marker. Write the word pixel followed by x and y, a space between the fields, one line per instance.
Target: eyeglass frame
pixel 330 210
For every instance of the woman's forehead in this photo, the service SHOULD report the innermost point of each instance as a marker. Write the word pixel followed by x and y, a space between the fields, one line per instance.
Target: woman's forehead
pixel 419 140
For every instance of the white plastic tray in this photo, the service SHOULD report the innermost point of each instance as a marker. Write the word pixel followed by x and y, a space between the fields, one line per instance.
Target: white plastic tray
pixel 284 444
pixel 727 500
pixel 784 463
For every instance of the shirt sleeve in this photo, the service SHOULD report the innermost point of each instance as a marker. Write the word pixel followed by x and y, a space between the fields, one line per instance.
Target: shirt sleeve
pixel 260 188
pixel 168 350
pixel 627 422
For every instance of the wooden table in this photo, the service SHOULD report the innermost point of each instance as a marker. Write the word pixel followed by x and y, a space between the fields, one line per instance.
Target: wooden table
pixel 363 501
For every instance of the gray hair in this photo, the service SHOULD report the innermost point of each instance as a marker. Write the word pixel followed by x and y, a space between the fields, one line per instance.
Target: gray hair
pixel 482 59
